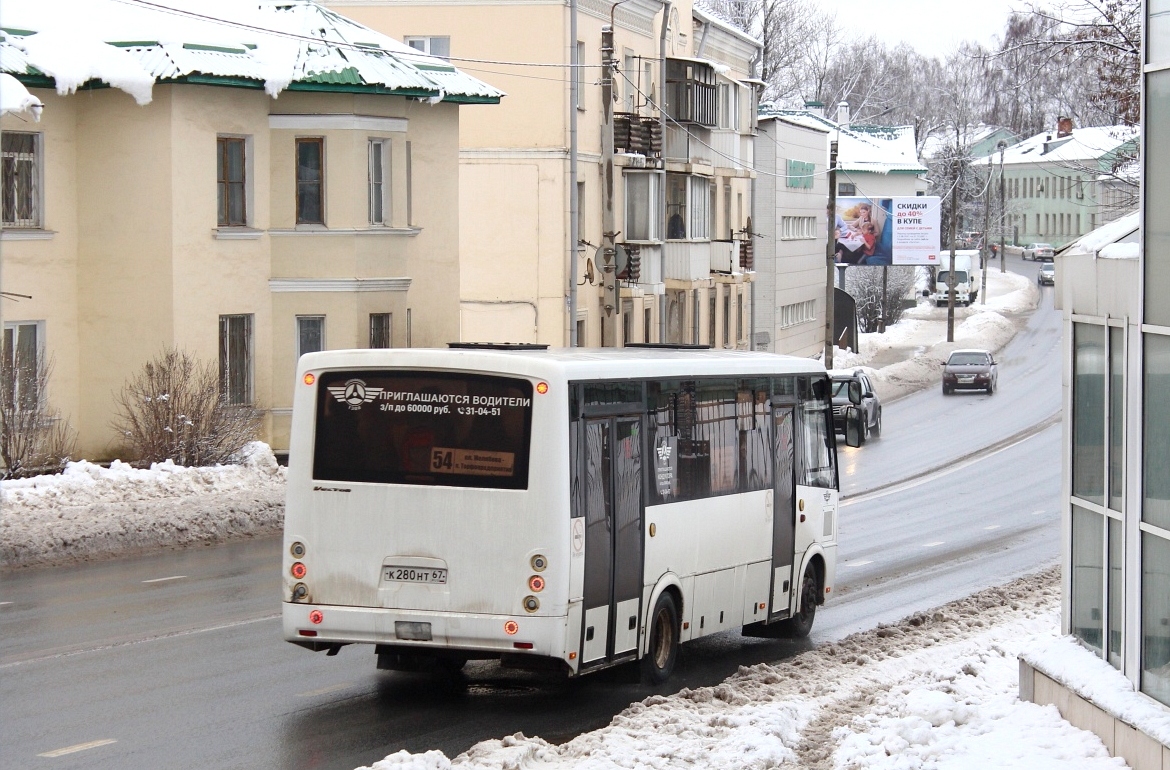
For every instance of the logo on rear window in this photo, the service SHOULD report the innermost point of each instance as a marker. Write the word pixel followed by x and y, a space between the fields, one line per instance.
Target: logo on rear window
pixel 354 393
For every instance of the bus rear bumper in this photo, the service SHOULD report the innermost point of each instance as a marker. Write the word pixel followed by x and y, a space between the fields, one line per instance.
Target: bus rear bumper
pixel 474 634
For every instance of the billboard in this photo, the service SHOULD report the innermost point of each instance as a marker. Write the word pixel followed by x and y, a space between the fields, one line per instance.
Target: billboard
pixel 888 231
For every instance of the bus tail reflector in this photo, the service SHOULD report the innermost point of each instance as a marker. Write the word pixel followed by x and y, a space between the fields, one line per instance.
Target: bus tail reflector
pixel 511 627
pixel 309 378
pixel 307 632
pixel 522 645
pixel 316 616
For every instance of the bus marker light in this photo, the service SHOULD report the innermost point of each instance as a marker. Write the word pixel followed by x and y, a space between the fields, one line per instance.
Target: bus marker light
pixel 536 583
pixel 539 563
pixel 316 616
pixel 298 570
pixel 511 627
pixel 572 656
pixel 309 378
pixel 542 388
pixel 762 605
pixel 653 530
pixel 522 645
pixel 531 604
pixel 307 632
pixel 686 626
pixel 828 589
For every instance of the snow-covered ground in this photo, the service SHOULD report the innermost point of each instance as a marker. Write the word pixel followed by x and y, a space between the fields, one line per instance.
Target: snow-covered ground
pixel 937 690
pixel 908 356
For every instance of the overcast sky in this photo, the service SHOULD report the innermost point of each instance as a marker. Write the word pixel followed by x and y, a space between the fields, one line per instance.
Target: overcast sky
pixel 933 27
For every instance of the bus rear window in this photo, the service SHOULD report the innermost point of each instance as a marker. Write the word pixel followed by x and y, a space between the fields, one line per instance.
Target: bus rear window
pixel 427 428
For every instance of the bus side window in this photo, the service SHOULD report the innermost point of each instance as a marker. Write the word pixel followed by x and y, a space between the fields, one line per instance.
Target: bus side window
pixel 754 413
pixel 817 467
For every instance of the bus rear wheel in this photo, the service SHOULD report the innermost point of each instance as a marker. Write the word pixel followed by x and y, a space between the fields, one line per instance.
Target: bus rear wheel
pixel 662 651
pixel 800 624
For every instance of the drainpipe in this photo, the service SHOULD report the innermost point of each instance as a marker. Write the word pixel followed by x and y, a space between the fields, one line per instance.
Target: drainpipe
pixel 574 204
pixel 666 6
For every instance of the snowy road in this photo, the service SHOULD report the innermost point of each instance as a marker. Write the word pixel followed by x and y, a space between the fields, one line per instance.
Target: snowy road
pixel 175 659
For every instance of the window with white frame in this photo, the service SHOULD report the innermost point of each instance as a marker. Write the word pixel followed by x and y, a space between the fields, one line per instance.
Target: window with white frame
pixel 641 206
pixel 728 110
pixel 700 201
pixel 435 45
pixel 235 358
pixel 794 228
pixel 310 334
pixel 20 154
pixel 23 342
pixel 629 81
pixel 378 174
pixel 579 73
pixel 797 313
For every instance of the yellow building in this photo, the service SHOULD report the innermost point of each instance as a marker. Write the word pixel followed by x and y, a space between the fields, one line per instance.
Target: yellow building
pixel 682 183
pixel 265 198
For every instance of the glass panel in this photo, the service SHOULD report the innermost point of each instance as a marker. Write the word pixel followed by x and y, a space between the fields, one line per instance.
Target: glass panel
pixel 20 196
pixel 676 206
pixel 375 174
pixel 1088 434
pixel 637 207
pixel 1158 32
pixel 700 197
pixel 235 365
pixel 1156 617
pixel 754 417
pixel 310 334
pixel 1116 608
pixel 309 210
pixel 1116 417
pixel 441 47
pixel 817 466
pixel 613 393
pixel 1088 551
pixel 423 428
pixel 1157 191
pixel 1156 508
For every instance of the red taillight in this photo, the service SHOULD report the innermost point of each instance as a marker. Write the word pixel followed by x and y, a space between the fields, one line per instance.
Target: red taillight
pixel 316 616
pixel 298 570
pixel 536 583
pixel 307 632
pixel 511 627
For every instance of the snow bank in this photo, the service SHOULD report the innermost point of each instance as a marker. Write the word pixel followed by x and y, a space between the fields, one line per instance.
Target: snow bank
pixel 936 690
pixel 89 511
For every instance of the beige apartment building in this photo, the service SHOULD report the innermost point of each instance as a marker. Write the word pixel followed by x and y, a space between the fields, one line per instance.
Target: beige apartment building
pixel 233 215
pixel 682 183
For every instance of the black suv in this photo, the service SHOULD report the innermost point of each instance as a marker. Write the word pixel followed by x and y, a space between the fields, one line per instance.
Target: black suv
pixel 871 405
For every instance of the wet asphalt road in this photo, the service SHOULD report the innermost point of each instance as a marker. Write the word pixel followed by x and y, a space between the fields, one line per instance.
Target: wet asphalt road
pixel 175 659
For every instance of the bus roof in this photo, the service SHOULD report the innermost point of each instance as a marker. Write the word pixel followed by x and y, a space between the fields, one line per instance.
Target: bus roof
pixel 568 363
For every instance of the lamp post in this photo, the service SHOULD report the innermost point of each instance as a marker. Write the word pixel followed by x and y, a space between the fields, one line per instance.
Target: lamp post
pixel 1002 210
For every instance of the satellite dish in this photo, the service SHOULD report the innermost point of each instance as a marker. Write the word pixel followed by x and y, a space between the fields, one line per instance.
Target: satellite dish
pixel 589 271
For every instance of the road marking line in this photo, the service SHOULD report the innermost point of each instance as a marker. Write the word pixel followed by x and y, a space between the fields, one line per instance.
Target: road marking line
pixel 858 563
pixel 325 690
pixel 4 604
pixel 932 545
pixel 163 580
pixel 993 526
pixel 77 748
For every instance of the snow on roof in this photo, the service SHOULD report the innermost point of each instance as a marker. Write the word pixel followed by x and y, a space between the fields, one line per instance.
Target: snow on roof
pixel 873 149
pixel 1083 144
pixel 15 98
pixel 941 138
pixel 1111 240
pixel 131 44
pixel 710 16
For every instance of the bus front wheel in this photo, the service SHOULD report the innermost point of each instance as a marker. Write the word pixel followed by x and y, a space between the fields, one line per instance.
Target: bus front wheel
pixel 662 652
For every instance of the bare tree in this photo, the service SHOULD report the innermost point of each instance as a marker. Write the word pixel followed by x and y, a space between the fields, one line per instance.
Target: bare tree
pixel 34 438
pixel 867 285
pixel 174 409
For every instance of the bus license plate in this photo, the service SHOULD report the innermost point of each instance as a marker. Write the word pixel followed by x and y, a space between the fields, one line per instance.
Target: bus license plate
pixel 414 574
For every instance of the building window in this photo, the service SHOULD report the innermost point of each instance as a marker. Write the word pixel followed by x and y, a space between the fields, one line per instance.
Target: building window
pixel 846 188
pixel 380 327
pixel 310 334
pixel 726 316
pixel 728 106
pixel 1156 190
pixel 739 327
pixel 1156 617
pixel 690 92
pixel 1116 417
pixel 581 212
pixel 235 358
pixel 230 182
pixel 797 313
pixel 1088 590
pixel 433 45
pixel 1088 413
pixel 1115 607
pixel 21 176
pixel 647 316
pixel 1156 508
pixel 641 206
pixel 695 317
pixel 700 202
pixel 379 191
pixel 579 73
pixel 712 313
pixel 795 228
pixel 21 365
pixel 310 181
pixel 676 206
pixel 627 321
pixel 409 186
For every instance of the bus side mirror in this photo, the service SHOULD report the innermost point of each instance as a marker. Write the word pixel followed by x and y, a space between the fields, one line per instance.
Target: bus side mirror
pixel 855 393
pixel 852 426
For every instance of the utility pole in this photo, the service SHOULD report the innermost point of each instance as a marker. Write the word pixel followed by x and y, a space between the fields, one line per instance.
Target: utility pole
pixel 1002 208
pixel 830 254
pixel 610 305
pixel 951 267
pixel 984 247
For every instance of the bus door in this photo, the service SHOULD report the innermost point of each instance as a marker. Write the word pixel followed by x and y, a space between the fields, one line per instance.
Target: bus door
pixel 612 460
pixel 783 511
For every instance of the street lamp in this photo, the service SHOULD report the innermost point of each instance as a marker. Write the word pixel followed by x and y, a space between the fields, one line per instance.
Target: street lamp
pixel 1002 211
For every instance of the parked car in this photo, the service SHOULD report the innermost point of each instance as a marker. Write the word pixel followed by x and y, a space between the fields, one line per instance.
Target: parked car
pixel 870 406
pixel 970 369
pixel 1039 251
pixel 1047 274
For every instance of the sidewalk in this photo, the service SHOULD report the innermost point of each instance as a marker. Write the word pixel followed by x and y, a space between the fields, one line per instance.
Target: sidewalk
pixel 909 355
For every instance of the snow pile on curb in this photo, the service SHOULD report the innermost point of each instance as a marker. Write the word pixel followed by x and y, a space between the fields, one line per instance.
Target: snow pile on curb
pixel 935 690
pixel 89 511
pixel 920 330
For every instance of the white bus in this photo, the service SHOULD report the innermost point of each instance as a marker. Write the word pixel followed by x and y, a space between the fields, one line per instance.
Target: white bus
pixel 573 508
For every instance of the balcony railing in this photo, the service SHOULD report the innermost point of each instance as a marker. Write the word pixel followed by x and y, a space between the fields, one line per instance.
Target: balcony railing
pixel 686 261
pixel 689 144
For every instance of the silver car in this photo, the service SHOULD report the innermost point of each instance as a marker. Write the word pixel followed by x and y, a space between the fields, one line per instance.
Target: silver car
pixel 1039 251
pixel 1047 274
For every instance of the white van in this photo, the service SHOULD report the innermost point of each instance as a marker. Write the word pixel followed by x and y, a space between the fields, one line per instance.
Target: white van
pixel 966 280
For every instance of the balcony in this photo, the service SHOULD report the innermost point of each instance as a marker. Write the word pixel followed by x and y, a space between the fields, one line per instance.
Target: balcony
pixel 689 144
pixel 686 260
pixel 725 256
